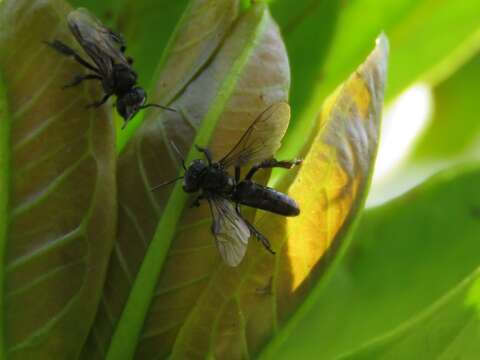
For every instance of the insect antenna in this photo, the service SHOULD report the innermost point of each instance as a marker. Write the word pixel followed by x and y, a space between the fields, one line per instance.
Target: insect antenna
pixel 179 154
pixel 157 106
pixel 166 183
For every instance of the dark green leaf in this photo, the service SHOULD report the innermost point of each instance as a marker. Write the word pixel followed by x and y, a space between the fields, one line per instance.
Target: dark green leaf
pixel 57 188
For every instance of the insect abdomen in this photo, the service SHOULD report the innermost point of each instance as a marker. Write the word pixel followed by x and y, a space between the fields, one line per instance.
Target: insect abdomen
pixel 262 197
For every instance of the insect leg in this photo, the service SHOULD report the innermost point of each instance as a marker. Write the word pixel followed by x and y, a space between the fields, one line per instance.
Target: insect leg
pixel 271 163
pixel 237 174
pixel 68 51
pixel 207 153
pixel 196 202
pixel 77 80
pixel 258 235
pixel 99 103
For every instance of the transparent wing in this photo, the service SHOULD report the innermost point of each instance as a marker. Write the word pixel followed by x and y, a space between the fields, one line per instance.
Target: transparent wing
pixel 262 139
pixel 100 43
pixel 230 231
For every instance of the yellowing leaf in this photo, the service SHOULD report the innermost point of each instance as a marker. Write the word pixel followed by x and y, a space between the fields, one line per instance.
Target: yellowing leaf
pixel 336 170
pixel 330 187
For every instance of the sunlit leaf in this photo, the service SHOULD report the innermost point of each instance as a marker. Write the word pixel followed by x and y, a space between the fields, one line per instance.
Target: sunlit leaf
pixel 330 188
pixel 448 330
pixel 404 256
pixel 57 188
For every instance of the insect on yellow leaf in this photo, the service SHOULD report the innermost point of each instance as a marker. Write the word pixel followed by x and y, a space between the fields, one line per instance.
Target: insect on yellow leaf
pixel 242 307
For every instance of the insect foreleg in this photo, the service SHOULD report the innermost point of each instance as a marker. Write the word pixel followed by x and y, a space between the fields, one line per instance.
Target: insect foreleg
pixel 68 51
pixel 207 153
pixel 99 103
pixel 77 80
pixel 271 163
pixel 258 235
pixel 196 202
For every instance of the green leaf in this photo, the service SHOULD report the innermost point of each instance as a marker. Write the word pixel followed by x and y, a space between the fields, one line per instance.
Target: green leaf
pixel 454 127
pixel 148 24
pixel 404 256
pixel 448 330
pixel 430 40
pixel 57 185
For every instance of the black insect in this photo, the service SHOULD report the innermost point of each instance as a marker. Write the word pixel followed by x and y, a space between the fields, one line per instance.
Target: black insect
pixel 225 193
pixel 106 49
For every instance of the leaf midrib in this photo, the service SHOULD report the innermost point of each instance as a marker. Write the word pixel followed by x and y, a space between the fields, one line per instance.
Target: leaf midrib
pixel 126 336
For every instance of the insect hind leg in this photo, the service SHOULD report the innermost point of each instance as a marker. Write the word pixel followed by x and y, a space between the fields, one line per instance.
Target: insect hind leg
pixel 68 51
pixel 271 163
pixel 99 103
pixel 206 152
pixel 258 235
pixel 77 80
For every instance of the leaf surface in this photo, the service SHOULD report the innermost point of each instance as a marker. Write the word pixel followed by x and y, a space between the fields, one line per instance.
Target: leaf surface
pixel 404 256
pixel 330 188
pixel 58 206
pixel 448 330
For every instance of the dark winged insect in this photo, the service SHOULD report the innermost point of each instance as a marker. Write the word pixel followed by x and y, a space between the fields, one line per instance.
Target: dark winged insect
pixel 225 193
pixel 106 49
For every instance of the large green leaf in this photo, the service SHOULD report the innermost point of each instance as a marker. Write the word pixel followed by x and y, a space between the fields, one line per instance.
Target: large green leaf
pixel 430 39
pixel 404 256
pixel 165 272
pixel 57 189
pixel 450 329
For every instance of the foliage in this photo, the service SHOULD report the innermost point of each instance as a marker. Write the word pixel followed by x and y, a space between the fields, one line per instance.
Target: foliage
pixel 95 265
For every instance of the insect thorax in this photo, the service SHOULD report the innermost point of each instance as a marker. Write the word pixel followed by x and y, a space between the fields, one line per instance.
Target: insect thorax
pixel 125 79
pixel 216 179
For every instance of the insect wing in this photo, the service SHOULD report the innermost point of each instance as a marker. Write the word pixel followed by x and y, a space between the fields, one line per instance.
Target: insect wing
pixel 100 43
pixel 262 139
pixel 229 229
